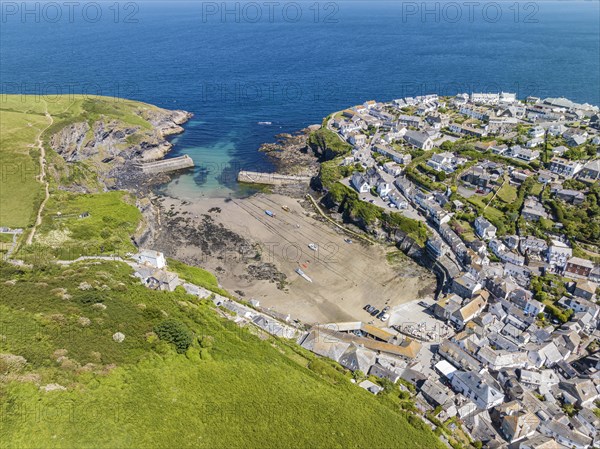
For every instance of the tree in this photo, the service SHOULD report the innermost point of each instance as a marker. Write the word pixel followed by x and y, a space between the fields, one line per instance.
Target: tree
pixel 176 333
pixel 447 145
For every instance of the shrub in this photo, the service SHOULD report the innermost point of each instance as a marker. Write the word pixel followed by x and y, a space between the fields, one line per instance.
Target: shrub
pixel 91 297
pixel 152 313
pixel 176 333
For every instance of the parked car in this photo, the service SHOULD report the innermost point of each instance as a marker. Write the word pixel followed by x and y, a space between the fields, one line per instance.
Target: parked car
pixel 380 315
pixel 385 309
pixel 367 307
pixel 375 312
pixel 370 309
pixel 313 246
pixel 385 317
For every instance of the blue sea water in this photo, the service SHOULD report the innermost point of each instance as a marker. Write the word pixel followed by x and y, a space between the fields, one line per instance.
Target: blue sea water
pixel 234 71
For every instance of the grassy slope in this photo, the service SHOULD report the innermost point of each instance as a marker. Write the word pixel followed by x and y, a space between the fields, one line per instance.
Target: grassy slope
pixel 238 391
pixel 20 125
pixel 113 219
pixel 197 276
pixel 22 119
pixel 243 392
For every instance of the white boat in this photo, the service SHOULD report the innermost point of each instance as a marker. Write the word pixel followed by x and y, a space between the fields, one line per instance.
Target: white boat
pixel 313 246
pixel 303 274
pixel 265 123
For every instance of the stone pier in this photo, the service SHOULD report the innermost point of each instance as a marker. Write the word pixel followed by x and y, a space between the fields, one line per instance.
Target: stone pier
pixel 167 165
pixel 252 177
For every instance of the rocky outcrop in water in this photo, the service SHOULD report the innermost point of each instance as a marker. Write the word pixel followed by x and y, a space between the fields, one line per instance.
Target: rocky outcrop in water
pixel 291 154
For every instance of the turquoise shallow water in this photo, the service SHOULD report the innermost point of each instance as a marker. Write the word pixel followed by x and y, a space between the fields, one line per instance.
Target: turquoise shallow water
pixel 234 74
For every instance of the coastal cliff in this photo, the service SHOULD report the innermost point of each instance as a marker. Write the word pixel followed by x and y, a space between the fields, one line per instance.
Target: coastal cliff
pixel 100 149
pixel 115 138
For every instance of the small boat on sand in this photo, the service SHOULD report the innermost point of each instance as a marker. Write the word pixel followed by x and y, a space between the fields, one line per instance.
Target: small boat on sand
pixel 303 274
pixel 269 213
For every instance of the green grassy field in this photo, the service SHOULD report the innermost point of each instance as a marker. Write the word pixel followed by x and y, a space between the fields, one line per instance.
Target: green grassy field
pixel 68 233
pixel 22 121
pixel 197 276
pixel 507 193
pixel 230 389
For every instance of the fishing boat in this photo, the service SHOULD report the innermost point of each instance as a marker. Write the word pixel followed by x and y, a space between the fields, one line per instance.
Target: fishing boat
pixel 303 274
pixel 265 123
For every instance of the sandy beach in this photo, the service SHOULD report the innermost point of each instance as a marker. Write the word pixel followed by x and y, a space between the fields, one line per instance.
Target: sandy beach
pixel 259 255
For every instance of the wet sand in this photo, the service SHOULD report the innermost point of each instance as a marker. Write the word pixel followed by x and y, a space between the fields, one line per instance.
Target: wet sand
pixel 345 276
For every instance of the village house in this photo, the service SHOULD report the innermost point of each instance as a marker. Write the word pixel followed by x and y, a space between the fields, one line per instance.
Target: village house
pixel 590 172
pixel 575 140
pixel 468 130
pixel 577 267
pixel 359 182
pixel 470 309
pixel 383 189
pixel 581 392
pixel 590 422
pixel 517 423
pixel 570 196
pixel 394 155
pixel 418 140
pixel 357 139
pixel 558 254
pixel 158 279
pixel 458 357
pixel 438 121
pixel 500 150
pixel 536 132
pixel 152 258
pixel 435 247
pixel 524 154
pixel 445 161
pixel 484 228
pixel 466 286
pixel 358 358
pixel 481 390
pixel 533 246
pixel 475 112
pixel 382 372
pixel 485 98
pixel 479 176
pixel 546 354
pixel 532 143
pixel 437 394
pixel 585 290
pixel 533 209
pixel 409 120
pixel 392 168
pixel 564 167
pixel 564 435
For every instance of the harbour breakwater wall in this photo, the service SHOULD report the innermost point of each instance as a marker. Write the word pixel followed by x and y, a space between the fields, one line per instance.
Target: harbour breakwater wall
pixel 167 165
pixel 276 179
